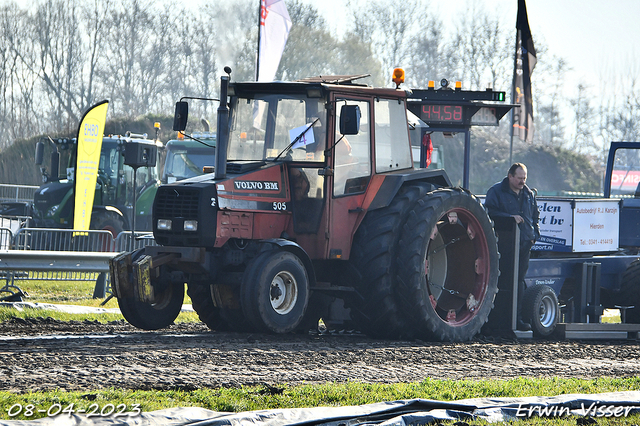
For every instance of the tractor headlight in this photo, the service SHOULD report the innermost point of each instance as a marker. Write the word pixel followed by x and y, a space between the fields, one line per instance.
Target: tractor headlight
pixel 190 225
pixel 52 210
pixel 164 225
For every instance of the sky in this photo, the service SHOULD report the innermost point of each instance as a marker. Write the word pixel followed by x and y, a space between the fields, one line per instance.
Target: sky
pixel 596 37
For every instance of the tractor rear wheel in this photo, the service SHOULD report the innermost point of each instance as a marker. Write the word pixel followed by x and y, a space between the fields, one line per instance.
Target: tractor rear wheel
pixel 153 316
pixel 374 308
pixel 107 221
pixel 540 309
pixel 275 291
pixel 447 266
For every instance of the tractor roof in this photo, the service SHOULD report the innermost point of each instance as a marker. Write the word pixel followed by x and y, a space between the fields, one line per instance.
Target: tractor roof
pixel 324 83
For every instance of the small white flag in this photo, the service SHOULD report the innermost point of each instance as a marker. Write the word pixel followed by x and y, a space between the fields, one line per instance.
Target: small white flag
pixel 306 136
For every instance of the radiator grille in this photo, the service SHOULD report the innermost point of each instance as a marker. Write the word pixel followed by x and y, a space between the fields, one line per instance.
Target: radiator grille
pixel 177 202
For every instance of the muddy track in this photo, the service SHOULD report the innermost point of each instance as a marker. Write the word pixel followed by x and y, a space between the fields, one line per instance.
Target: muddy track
pixel 47 354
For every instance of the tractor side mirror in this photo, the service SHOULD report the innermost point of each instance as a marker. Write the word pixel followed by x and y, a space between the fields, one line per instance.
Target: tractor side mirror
pixel 181 115
pixel 39 153
pixel 349 119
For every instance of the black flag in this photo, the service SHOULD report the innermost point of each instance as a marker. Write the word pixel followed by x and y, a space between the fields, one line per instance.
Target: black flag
pixel 525 61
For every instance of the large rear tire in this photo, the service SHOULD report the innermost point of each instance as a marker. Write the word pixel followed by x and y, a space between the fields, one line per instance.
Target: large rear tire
pixel 540 309
pixel 374 308
pixel 448 266
pixel 275 292
pixel 107 221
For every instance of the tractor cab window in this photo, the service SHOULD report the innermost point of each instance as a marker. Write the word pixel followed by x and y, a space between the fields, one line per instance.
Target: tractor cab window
pixel 352 163
pixel 186 161
pixel 269 127
pixel 393 150
pixel 110 163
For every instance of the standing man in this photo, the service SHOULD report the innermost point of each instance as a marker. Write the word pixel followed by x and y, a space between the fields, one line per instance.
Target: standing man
pixel 513 198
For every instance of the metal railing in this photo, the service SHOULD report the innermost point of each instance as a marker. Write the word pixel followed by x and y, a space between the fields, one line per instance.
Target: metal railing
pixel 46 239
pixel 6 238
pixel 44 254
pixel 141 239
pixel 14 222
pixel 78 241
pixel 51 261
pixel 17 193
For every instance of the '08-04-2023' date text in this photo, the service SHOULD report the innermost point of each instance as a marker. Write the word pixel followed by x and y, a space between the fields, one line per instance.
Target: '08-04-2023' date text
pixel 93 410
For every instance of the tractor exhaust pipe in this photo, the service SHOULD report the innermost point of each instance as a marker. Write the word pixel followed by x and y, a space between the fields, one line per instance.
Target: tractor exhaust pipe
pixel 222 139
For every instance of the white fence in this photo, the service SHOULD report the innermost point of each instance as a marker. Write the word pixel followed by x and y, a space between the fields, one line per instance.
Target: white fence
pixel 61 255
pixel 17 193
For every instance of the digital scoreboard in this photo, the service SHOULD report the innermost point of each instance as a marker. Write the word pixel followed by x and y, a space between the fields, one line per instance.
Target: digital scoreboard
pixel 442 114
pixel 458 108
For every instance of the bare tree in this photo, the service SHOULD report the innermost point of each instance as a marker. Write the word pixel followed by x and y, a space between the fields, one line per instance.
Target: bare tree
pixel 430 59
pixel 388 29
pixel 57 35
pixel 312 50
pixel 583 136
pixel 483 49
pixel 132 69
pixel 18 80
pixel 549 128
pixel 94 17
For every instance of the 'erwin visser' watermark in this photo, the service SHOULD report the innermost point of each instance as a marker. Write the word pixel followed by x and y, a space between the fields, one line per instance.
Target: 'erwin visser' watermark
pixel 593 410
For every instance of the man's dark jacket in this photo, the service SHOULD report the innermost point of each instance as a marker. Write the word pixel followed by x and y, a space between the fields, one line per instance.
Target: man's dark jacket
pixel 502 201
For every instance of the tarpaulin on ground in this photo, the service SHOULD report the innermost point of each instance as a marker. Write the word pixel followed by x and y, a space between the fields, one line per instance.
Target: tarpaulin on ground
pixel 415 411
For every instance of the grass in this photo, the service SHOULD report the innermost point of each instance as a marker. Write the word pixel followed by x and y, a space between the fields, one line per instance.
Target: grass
pixel 70 293
pixel 325 395
pixel 283 396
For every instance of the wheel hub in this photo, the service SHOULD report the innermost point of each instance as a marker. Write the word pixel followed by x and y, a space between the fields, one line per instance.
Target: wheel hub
pixel 458 235
pixel 283 293
pixel 546 312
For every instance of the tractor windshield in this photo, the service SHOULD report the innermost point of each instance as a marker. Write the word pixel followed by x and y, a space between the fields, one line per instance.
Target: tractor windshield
pixel 186 159
pixel 283 127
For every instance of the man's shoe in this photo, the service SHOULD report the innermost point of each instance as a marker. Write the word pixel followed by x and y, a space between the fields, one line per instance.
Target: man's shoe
pixel 523 326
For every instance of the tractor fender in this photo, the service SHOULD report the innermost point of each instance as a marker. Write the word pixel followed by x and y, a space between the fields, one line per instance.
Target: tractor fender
pixel 294 248
pixel 394 181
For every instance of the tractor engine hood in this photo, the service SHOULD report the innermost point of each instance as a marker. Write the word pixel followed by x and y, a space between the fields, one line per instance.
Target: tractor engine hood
pixel 185 213
pixel 47 200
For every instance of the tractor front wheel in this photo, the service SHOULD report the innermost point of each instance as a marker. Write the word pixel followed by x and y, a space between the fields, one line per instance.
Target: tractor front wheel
pixel 275 291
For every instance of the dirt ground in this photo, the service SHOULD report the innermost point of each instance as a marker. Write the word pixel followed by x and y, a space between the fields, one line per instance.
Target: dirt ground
pixel 46 354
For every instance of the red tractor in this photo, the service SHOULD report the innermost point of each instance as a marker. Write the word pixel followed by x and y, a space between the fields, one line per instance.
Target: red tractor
pixel 314 210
